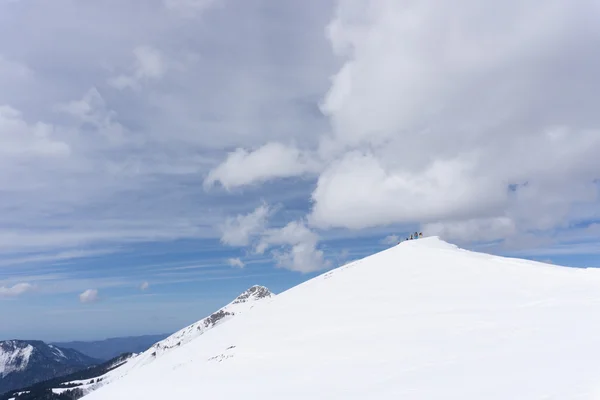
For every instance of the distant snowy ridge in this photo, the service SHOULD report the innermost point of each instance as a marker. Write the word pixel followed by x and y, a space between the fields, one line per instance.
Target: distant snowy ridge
pixel 14 356
pixel 421 320
pixel 25 362
pixel 73 384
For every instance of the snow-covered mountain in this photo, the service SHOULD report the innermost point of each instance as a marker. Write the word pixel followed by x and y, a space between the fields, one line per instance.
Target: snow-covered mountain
pixel 25 362
pixel 94 378
pixel 241 304
pixel 69 386
pixel 421 320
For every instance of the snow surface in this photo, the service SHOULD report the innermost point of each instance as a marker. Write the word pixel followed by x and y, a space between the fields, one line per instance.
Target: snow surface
pixel 241 304
pixel 15 358
pixel 422 320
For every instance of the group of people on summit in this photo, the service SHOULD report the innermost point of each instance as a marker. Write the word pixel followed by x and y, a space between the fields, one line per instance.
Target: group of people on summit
pixel 415 235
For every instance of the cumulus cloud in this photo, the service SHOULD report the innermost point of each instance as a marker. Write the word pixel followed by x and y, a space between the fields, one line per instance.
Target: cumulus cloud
pixel 149 65
pixel 271 161
pixel 144 286
pixel 298 250
pixel 239 230
pixel 89 296
pixel 457 129
pixel 294 247
pixel 236 262
pixel 16 290
pixel 452 125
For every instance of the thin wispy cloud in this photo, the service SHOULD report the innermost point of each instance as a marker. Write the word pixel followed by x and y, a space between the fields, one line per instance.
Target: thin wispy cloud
pixel 60 256
pixel 16 290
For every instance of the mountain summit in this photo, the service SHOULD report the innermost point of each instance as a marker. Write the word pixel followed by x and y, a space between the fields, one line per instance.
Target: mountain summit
pixel 421 320
pixel 254 293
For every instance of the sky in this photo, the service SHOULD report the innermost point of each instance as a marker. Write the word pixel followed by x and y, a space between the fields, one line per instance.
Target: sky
pixel 158 157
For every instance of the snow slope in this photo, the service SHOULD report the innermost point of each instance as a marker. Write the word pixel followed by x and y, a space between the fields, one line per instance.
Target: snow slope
pixel 422 320
pixel 241 304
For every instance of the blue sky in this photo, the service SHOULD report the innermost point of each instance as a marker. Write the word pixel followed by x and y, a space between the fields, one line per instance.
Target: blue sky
pixel 159 157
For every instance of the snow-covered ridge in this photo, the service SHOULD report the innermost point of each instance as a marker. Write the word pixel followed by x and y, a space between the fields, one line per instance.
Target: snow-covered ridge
pixel 421 320
pixel 14 356
pixel 26 362
pixel 241 304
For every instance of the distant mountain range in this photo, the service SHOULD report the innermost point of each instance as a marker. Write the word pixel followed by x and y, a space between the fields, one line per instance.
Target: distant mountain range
pixel 110 348
pixel 24 362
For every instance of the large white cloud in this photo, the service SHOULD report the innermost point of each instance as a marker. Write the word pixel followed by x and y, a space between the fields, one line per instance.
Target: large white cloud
pixel 461 117
pixel 457 105
pixel 273 160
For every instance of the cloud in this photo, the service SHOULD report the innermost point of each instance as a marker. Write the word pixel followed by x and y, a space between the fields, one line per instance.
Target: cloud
pixel 239 230
pixel 22 140
pixel 83 145
pixel 16 290
pixel 271 161
pixel 299 251
pixel 451 131
pixel 440 129
pixel 391 240
pixel 149 65
pixel 294 247
pixel 89 296
pixel 52 257
pixel 145 286
pixel 485 229
pixel 236 262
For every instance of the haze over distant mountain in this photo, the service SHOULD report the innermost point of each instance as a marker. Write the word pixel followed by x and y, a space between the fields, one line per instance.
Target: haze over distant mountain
pixel 25 362
pixel 113 347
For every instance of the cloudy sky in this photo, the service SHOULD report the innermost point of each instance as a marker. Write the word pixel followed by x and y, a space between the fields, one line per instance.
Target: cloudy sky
pixel 157 157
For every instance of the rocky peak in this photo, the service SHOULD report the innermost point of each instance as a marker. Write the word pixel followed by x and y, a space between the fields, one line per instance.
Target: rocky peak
pixel 255 292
